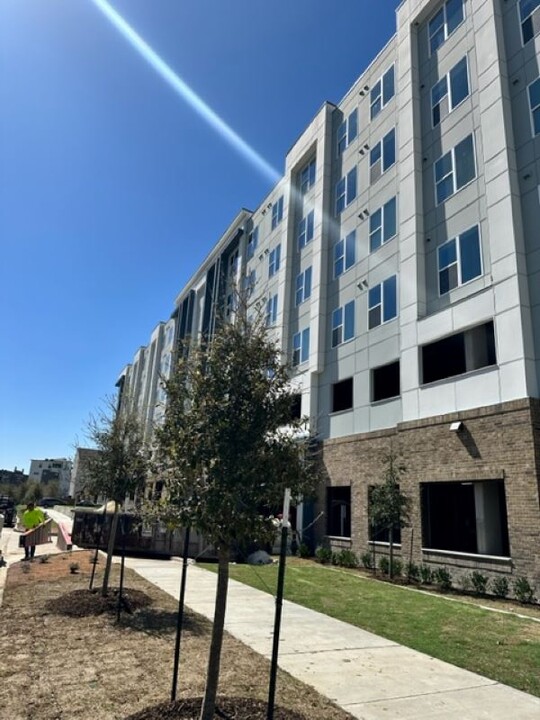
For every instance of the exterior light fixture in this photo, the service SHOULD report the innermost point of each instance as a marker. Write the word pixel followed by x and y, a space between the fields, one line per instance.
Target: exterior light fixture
pixel 456 426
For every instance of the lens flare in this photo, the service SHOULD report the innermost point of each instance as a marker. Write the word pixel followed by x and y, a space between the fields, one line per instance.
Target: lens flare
pixel 185 92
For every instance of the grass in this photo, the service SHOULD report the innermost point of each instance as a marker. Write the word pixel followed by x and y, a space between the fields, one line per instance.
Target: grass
pixel 500 646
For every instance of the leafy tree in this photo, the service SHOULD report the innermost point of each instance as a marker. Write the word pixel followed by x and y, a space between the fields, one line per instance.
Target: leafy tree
pixel 389 507
pixel 227 450
pixel 121 466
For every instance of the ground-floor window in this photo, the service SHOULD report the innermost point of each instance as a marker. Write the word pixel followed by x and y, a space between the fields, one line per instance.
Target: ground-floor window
pixel 338 511
pixel 467 517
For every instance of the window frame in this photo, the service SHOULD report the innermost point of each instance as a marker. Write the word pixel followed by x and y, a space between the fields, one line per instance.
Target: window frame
pixel 531 109
pixel 380 145
pixel 453 172
pixel 522 22
pixel 306 230
pixel 303 286
pixel 271 310
pixel 346 193
pixel 457 239
pixel 310 170
pixel 274 260
pixel 448 92
pixel 301 347
pixel 339 324
pixel 252 243
pixel 344 132
pixel 382 303
pixel 380 82
pixel 277 212
pixel 443 8
pixel 346 243
pixel 382 226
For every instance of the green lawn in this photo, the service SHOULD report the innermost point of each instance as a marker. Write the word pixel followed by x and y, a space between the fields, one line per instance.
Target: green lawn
pixel 503 647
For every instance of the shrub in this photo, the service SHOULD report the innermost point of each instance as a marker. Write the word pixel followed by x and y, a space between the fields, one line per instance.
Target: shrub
pixel 426 574
pixel 384 565
pixel 479 582
pixel 43 558
pixel 412 571
pixel 465 582
pixel 500 587
pixel 523 590
pixel 443 578
pixel 367 560
pixel 348 559
pixel 304 550
pixel 323 555
pixel 25 568
pixel 335 558
pixel 74 567
pixel 397 567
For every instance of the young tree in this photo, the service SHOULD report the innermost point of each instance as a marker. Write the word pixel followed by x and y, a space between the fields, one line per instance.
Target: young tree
pixel 227 450
pixel 389 507
pixel 121 466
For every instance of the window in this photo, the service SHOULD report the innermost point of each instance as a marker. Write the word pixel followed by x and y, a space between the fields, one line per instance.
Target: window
pixel 249 282
pixel 303 286
pixel 338 511
pixel 343 324
pixel 534 105
pixel 253 241
pixel 296 406
pixel 529 16
pixel 345 190
pixel 344 254
pixel 383 155
pixel 468 517
pixel 307 177
pixel 459 353
pixel 454 170
pixel 385 382
pixel 300 347
pixel 274 260
pixel 382 92
pixel 382 302
pixel 271 310
pixel 459 260
pixel 347 132
pixel 444 22
pixel 449 92
pixel 233 263
pixel 277 212
pixel 305 229
pixel 382 224
pixel 342 395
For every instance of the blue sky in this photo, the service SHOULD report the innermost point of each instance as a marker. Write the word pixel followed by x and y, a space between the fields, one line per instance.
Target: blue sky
pixel 113 190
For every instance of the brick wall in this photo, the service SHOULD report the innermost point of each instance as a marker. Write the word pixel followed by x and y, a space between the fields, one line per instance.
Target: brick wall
pixel 495 442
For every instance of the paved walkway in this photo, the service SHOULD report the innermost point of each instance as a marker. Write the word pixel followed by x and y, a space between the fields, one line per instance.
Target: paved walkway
pixel 370 677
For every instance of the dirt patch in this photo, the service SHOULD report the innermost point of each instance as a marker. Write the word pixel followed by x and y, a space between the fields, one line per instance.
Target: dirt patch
pixel 63 667
pixel 81 603
pixel 227 709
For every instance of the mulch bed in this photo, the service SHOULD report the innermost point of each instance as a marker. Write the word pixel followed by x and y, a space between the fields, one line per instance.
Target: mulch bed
pixel 82 603
pixel 230 708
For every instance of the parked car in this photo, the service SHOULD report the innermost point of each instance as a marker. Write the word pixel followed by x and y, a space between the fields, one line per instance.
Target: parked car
pixel 8 510
pixel 49 502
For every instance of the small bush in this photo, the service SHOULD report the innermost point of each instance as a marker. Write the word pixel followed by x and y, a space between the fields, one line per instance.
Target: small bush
pixel 465 582
pixel 43 558
pixel 304 550
pixel 500 587
pixel 348 559
pixel 397 567
pixel 25 568
pixel 443 578
pixel 412 571
pixel 367 560
pixel 74 567
pixel 323 555
pixel 479 583
pixel 384 565
pixel 335 558
pixel 523 590
pixel 426 575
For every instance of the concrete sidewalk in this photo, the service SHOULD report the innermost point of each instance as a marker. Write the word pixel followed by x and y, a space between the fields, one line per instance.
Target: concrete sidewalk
pixel 370 677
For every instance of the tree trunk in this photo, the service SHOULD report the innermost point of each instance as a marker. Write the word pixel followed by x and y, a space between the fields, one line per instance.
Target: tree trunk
pixel 391 538
pixel 214 659
pixel 110 550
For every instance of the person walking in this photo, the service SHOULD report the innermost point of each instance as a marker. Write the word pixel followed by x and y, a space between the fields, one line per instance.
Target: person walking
pixel 32 517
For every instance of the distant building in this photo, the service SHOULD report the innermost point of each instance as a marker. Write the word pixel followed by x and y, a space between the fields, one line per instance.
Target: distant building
pixel 12 477
pixel 79 474
pixel 52 470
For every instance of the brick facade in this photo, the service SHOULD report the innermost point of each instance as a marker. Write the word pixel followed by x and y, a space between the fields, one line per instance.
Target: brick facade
pixel 499 442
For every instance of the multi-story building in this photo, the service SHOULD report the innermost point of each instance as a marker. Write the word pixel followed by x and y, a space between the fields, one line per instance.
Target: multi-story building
pixel 52 470
pixel 399 261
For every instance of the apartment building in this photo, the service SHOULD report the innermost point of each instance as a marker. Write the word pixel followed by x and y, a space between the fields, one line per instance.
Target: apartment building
pixel 399 263
pixel 52 470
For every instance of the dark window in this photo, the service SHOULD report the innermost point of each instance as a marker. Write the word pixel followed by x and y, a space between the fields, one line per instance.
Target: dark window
pixel 296 406
pixel 385 382
pixel 338 511
pixel 379 533
pixel 465 517
pixel 459 353
pixel 342 395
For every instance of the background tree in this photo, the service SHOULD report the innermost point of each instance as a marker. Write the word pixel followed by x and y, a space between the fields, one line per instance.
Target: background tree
pixel 227 450
pixel 389 507
pixel 121 466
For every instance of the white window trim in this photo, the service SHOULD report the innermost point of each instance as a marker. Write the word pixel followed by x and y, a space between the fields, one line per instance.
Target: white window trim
pixel 346 136
pixel 382 225
pixel 296 289
pixel 344 256
pixel 460 284
pixel 345 191
pixel 447 76
pixel 304 221
pixel 445 26
pixel 531 119
pixel 279 213
pixel 300 333
pixel 453 153
pixel 383 104
pixel 520 24
pixel 306 167
pixel 381 159
pixel 342 325
pixel 276 269
pixel 383 321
